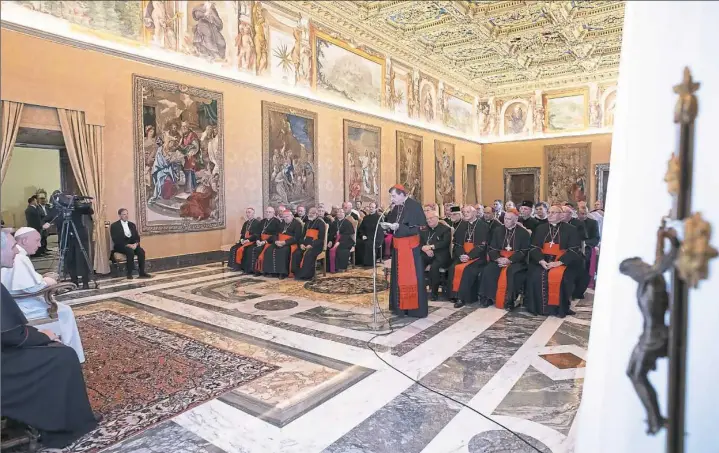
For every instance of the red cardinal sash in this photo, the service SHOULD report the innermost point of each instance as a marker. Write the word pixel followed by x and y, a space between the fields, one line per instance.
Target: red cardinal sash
pixel 293 247
pixel 261 257
pixel 460 267
pixel 314 234
pixel 407 284
pixel 554 275
pixel 502 281
pixel 241 249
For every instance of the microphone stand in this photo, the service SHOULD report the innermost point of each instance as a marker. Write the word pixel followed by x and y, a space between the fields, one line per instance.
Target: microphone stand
pixel 376 324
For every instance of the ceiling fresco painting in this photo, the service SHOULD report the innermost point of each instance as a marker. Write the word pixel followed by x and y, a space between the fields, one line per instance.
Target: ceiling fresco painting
pixel 457 65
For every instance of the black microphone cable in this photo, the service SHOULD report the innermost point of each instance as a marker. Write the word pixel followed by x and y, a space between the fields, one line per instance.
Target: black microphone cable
pixel 391 331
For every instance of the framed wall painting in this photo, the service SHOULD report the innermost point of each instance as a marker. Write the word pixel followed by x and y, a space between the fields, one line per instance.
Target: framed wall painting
pixel 362 162
pixel 567 168
pixel 289 156
pixel 566 111
pixel 409 163
pixel 179 157
pixel 601 178
pixel 444 172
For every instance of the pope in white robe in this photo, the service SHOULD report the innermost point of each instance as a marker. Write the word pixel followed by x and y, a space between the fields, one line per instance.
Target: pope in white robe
pixel 23 279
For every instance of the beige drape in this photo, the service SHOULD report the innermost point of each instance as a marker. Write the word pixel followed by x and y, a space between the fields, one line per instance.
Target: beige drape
pixel 85 150
pixel 11 113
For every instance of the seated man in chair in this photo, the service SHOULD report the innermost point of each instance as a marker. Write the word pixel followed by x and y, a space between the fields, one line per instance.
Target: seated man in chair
pixel 22 279
pixel 126 240
pixel 42 381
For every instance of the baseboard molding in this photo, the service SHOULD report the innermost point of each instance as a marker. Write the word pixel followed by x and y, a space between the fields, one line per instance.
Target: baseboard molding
pixel 175 262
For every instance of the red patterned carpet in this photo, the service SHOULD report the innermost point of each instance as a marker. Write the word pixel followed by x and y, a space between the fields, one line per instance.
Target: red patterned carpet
pixel 139 375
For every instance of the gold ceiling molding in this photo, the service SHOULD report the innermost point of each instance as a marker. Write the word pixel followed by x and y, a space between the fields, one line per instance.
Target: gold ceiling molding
pixel 488 48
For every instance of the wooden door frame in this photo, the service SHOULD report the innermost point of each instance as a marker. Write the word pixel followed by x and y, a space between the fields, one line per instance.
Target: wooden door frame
pixel 599 191
pixel 534 171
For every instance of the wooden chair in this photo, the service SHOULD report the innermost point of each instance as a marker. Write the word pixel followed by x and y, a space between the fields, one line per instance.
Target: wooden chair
pixel 48 294
pixel 323 254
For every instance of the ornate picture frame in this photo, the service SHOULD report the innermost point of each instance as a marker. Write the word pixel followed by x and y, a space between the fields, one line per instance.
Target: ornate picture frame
pixel 445 187
pixel 566 103
pixel 164 203
pixel 600 189
pixel 301 168
pixel 567 168
pixel 534 171
pixel 414 187
pixel 374 164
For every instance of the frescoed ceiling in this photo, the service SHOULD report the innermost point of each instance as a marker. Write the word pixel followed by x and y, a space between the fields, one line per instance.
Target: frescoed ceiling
pixel 490 48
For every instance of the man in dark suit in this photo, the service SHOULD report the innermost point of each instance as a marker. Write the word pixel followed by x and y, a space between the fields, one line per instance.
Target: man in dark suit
pixel 435 241
pixel 33 217
pixel 126 240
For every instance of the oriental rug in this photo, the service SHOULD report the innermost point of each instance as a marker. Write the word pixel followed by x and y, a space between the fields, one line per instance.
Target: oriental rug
pixel 138 375
pixel 345 285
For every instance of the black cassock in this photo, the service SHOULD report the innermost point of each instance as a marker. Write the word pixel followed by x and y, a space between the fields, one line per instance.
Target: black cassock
pixel 364 246
pixel 475 235
pixel 304 261
pixel 42 382
pixel 529 223
pixel 550 292
pixel 269 229
pixel 589 233
pixel 410 218
pixel 277 259
pixel 251 231
pixel 512 282
pixel 440 237
pixel 339 258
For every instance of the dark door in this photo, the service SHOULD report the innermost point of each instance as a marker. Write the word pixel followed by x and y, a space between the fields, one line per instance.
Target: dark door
pixel 522 188
pixel 605 181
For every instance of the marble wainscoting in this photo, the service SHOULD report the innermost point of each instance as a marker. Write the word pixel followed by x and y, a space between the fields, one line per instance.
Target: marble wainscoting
pixel 339 387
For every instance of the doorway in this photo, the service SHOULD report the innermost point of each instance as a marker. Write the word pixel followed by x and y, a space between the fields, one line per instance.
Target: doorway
pixel 521 184
pixel 601 176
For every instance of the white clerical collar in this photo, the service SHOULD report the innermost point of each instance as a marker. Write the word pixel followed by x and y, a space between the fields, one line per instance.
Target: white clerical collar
pixel 20 250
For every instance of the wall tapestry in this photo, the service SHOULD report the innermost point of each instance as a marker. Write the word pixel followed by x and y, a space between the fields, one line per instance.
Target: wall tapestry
pixel 362 157
pixel 444 172
pixel 566 111
pixel 568 171
pixel 345 72
pixel 289 156
pixel 409 163
pixel 179 155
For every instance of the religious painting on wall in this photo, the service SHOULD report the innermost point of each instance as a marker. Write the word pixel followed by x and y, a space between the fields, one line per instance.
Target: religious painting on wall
pixel 362 157
pixel 289 156
pixel 179 157
pixel 348 73
pixel 566 111
pixel 409 163
pixel 427 100
pixel 444 172
pixel 161 23
pixel 291 52
pixel 458 114
pixel 400 93
pixel 515 118
pixel 568 172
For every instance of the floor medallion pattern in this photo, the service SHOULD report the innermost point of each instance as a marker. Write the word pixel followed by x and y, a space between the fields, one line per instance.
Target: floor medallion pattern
pixel 345 285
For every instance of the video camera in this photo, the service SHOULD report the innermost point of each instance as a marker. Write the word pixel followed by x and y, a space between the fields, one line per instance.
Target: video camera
pixel 68 202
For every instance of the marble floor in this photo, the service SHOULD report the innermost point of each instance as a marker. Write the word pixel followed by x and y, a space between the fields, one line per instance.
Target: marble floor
pixel 323 386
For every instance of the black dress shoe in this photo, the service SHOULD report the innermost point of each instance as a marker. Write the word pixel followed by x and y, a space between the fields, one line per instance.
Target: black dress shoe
pixel 145 275
pixel 459 304
pixel 130 277
pixel 282 276
pixel 571 312
pixel 433 297
pixel 85 286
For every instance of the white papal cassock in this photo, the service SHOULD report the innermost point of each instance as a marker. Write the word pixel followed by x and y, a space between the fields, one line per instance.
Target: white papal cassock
pixel 22 279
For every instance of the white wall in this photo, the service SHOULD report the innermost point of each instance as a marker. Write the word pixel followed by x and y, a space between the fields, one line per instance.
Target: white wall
pixel 660 39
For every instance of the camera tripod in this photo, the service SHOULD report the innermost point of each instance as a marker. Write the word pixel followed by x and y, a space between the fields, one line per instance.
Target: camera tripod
pixel 67 224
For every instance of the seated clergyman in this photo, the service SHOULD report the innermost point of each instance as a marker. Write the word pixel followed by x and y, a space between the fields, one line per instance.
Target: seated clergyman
pixel 470 256
pixel 340 246
pixel 269 227
pixel 279 253
pixel 238 260
pixel 42 381
pixel 503 278
pixel 22 279
pixel 311 245
pixel 435 241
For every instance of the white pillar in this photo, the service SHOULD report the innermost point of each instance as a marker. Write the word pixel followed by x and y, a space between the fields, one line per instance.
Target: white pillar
pixel 660 38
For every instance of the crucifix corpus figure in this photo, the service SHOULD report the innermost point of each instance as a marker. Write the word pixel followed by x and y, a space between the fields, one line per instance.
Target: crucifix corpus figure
pixel 653 300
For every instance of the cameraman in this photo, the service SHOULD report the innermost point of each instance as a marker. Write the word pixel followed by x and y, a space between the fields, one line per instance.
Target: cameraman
pixel 75 263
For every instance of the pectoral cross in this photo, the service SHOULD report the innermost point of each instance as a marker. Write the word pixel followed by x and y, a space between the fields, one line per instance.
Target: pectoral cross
pixel 551 243
pixel 508 248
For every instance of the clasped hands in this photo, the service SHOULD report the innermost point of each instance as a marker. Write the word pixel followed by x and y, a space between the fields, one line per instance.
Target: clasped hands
pixel 503 262
pixel 464 258
pixel 390 226
pixel 551 265
pixel 50 334
pixel 427 249
pixel 305 247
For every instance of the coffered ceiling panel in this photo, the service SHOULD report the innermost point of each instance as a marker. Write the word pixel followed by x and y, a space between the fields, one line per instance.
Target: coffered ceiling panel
pixel 486 47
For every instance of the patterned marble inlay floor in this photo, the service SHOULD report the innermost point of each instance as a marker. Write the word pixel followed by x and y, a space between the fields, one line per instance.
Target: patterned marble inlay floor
pixel 333 387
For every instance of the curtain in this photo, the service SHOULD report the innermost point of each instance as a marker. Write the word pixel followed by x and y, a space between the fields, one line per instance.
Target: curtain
pixel 85 149
pixel 11 113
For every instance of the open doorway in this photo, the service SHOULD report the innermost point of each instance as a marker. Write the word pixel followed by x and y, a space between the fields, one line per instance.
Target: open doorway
pixel 39 165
